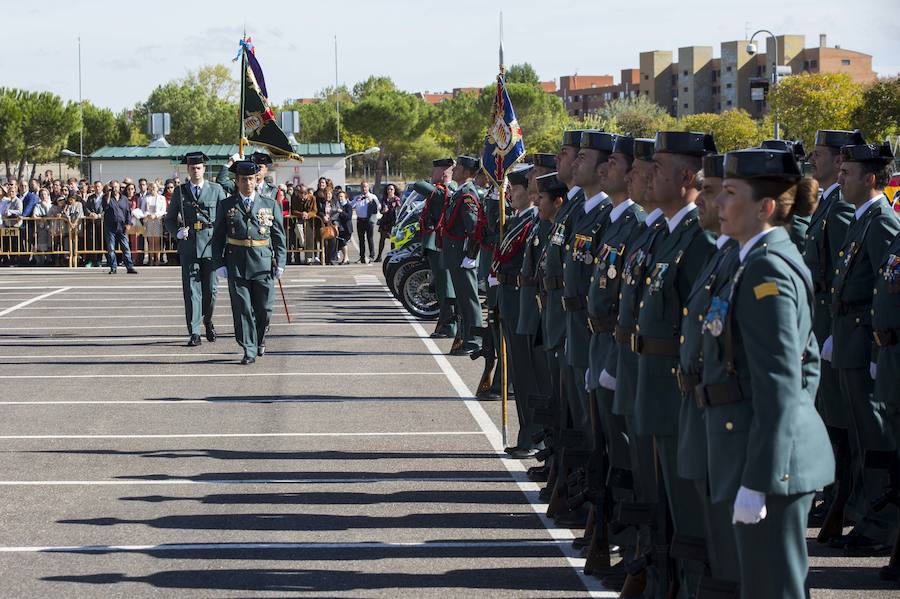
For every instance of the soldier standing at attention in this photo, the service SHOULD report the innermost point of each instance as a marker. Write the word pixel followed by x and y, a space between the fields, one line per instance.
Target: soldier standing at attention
pixel 461 249
pixel 824 238
pixel 864 172
pixel 670 276
pixel 768 448
pixel 190 218
pixel 248 245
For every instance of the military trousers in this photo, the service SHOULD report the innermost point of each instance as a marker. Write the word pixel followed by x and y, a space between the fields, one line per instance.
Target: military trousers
pixel 251 309
pixel 613 430
pixel 721 544
pixel 829 399
pixel 772 552
pixel 522 375
pixel 468 306
pixel 574 402
pixel 443 288
pixel 199 285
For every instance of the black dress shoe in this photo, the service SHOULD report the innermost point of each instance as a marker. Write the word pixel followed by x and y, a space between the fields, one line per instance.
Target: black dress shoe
pixel 211 333
pixel 247 360
pixel 466 349
pixel 260 350
pixel 523 453
pixel 539 474
pixel 862 546
pixel 131 271
pixel 581 542
pixel 194 341
pixel 439 335
pixel 112 271
pixel 572 519
pixel 489 396
pixel 510 450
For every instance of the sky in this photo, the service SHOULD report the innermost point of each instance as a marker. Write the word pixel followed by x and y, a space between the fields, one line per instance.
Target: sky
pixel 128 48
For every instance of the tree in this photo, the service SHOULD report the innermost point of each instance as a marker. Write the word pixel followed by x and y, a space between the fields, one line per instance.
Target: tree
pixel 636 116
pixel 128 131
pixel 46 123
pixel 11 141
pixel 99 129
pixel 811 101
pixel 878 116
pixel 318 119
pixel 460 124
pixel 522 73
pixel 732 130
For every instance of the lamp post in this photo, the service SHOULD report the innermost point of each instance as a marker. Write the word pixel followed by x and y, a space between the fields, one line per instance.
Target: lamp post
pixel 751 50
pixel 366 152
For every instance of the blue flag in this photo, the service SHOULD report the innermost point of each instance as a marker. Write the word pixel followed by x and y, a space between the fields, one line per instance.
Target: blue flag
pixel 503 145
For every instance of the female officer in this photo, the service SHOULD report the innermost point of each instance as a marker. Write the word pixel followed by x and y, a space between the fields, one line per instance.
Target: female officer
pixel 768 449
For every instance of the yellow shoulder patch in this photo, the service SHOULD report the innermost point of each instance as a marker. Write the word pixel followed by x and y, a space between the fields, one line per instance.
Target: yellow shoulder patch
pixel 765 290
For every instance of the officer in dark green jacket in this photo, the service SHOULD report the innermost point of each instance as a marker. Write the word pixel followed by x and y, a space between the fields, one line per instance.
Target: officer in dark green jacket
pixel 670 276
pixel 223 179
pixel 824 238
pixel 189 218
pixel 768 448
pixel 249 247
pixel 864 172
pixel 461 251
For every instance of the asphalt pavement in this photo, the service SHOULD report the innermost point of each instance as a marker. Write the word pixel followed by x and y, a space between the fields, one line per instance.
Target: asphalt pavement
pixel 350 461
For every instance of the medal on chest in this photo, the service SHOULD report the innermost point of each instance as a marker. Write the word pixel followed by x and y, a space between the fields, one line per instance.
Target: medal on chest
pixel 714 322
pixel 633 267
pixel 891 272
pixel 559 234
pixel 658 277
pixel 581 249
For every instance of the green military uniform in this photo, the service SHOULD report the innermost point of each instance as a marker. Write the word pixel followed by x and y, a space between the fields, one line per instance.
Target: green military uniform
pixel 250 244
pixel 225 181
pixel 196 212
pixel 436 197
pixel 529 320
pixel 487 233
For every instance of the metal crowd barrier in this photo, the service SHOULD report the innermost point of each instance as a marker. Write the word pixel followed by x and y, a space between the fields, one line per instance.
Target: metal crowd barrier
pixel 49 240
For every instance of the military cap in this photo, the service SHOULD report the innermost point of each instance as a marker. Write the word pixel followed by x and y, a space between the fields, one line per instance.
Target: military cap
pixel 542 159
pixel 839 138
pixel 713 165
pixel 868 153
pixel 468 162
pixel 572 137
pixel 758 163
pixel 623 144
pixel 644 148
pixel 261 158
pixel 443 162
pixel 794 147
pixel 551 184
pixel 244 167
pixel 691 143
pixel 597 140
pixel 519 176
pixel 194 158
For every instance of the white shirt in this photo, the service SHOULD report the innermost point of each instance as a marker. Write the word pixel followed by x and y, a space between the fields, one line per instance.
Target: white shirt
pixel 361 204
pixel 592 203
pixel 831 188
pixel 862 209
pixel 196 189
pixel 154 205
pixel 745 249
pixel 245 198
pixel 721 240
pixel 572 192
pixel 679 216
pixel 618 210
pixel 653 216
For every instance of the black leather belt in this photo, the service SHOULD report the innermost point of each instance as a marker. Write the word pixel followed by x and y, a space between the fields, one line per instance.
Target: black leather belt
pixel 527 281
pixel 551 283
pixel 599 325
pixel 840 308
pixel 687 381
pixel 623 335
pixel 512 280
pixel 571 304
pixel 719 394
pixel 655 346
pixel 886 337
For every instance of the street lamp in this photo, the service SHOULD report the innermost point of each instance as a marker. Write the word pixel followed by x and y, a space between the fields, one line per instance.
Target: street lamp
pixel 751 50
pixel 70 154
pixel 366 152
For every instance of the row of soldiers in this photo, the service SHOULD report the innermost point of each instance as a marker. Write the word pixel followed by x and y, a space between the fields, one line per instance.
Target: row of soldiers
pixel 697 342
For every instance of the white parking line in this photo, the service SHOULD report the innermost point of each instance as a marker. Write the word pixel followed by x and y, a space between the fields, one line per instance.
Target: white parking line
pixel 243 435
pixel 33 300
pixel 129 375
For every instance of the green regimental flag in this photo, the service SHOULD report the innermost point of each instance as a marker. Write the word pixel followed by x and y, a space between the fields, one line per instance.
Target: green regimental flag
pixel 258 125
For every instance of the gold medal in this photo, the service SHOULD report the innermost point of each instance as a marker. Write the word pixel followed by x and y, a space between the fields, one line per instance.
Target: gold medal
pixel 263 230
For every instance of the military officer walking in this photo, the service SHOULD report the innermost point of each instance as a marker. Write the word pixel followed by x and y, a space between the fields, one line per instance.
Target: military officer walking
pixel 190 218
pixel 249 246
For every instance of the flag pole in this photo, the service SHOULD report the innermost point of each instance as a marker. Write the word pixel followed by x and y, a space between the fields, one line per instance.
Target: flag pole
pixel 243 88
pixel 504 372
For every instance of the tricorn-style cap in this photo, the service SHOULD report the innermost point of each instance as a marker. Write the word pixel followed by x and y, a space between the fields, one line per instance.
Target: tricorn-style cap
pixel 757 163
pixel 520 175
pixel 597 140
pixel 468 162
pixel 868 153
pixel 838 138
pixel 713 165
pixel 542 159
pixel 623 144
pixel 261 158
pixel 572 137
pixel 244 167
pixel 644 148
pixel 443 162
pixel 691 143
pixel 551 184
pixel 194 158
pixel 794 147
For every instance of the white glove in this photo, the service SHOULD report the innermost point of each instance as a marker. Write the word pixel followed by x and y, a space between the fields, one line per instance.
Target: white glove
pixel 828 348
pixel 182 233
pixel 607 381
pixel 492 281
pixel 222 272
pixel 468 263
pixel 873 368
pixel 749 506
pixel 277 271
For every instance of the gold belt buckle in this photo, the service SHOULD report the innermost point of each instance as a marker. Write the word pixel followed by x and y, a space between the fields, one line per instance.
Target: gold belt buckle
pixel 198 226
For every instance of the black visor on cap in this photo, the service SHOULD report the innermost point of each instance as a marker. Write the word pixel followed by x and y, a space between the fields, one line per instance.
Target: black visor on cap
pixel 644 148
pixel 542 159
pixel 838 138
pixel 691 143
pixel 761 164
pixel 194 158
pixel 623 144
pixel 468 162
pixel 244 167
pixel 572 137
pixel 520 176
pixel 443 162
pixel 261 158
pixel 551 184
pixel 598 140
pixel 713 165
pixel 868 153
